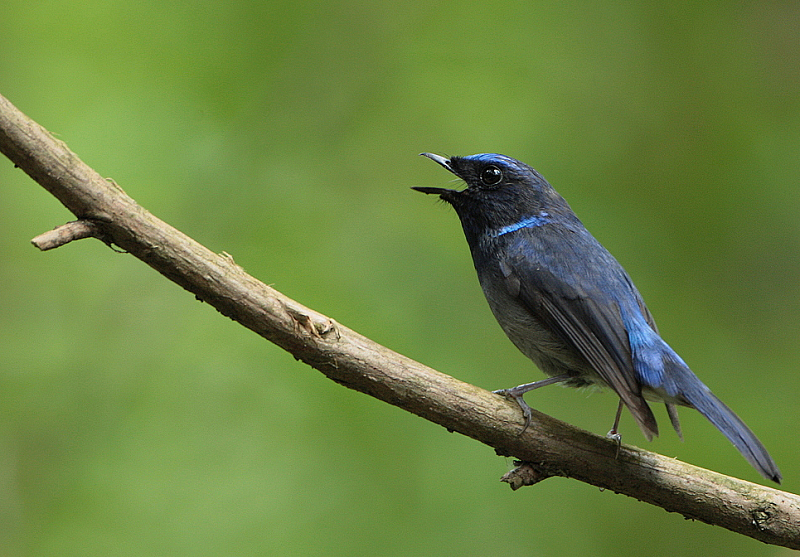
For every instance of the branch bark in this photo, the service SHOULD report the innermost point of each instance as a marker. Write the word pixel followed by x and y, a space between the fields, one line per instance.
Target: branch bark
pixel 548 448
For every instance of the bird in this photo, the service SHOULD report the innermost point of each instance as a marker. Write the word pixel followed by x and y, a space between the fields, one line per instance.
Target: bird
pixel 567 304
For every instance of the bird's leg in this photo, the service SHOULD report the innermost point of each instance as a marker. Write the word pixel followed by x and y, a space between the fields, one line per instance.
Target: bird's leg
pixel 517 392
pixel 614 434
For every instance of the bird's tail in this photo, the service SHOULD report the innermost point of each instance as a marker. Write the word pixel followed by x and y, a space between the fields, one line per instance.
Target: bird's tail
pixel 717 412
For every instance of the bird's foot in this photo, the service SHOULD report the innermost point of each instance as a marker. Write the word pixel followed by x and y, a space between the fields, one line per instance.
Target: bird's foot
pixel 617 438
pixel 527 411
pixel 517 392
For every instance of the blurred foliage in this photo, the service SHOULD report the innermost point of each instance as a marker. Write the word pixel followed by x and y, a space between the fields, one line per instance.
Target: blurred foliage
pixel 137 421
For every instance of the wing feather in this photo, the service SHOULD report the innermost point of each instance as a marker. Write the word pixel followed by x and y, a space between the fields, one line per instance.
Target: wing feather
pixel 589 321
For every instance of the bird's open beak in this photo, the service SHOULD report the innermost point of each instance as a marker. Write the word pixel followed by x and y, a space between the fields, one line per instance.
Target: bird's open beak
pixel 445 162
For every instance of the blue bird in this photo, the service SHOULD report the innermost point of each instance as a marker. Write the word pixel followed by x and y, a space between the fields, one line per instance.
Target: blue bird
pixel 569 306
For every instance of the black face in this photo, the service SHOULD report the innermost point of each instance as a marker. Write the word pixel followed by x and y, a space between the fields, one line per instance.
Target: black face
pixel 487 176
pixel 486 171
pixel 500 190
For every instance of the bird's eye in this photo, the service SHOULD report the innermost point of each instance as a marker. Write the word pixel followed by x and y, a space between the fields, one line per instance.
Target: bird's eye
pixel 491 175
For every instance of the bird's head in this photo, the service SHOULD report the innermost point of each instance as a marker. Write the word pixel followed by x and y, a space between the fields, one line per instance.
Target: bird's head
pixel 500 192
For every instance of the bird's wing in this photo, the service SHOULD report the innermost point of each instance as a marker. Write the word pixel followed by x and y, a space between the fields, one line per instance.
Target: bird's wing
pixel 574 301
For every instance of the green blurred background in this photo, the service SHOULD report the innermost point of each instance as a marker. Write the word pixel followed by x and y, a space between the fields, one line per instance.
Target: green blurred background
pixel 136 421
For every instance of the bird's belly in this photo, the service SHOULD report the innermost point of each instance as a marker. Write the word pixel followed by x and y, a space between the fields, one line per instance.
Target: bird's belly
pixel 542 345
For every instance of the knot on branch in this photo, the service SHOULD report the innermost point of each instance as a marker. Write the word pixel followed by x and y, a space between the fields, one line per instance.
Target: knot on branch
pixel 525 473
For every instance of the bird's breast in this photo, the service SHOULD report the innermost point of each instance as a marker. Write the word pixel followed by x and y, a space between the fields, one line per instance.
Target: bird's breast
pixel 530 334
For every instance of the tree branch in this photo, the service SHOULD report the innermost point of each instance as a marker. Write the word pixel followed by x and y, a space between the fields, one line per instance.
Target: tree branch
pixel 548 448
pixel 66 233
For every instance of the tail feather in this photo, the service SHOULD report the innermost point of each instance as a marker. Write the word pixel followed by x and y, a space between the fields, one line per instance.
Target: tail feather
pixel 731 426
pixel 665 374
pixel 643 415
pixel 673 418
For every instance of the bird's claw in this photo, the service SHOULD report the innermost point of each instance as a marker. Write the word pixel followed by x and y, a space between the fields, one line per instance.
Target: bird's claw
pixel 527 412
pixel 617 438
